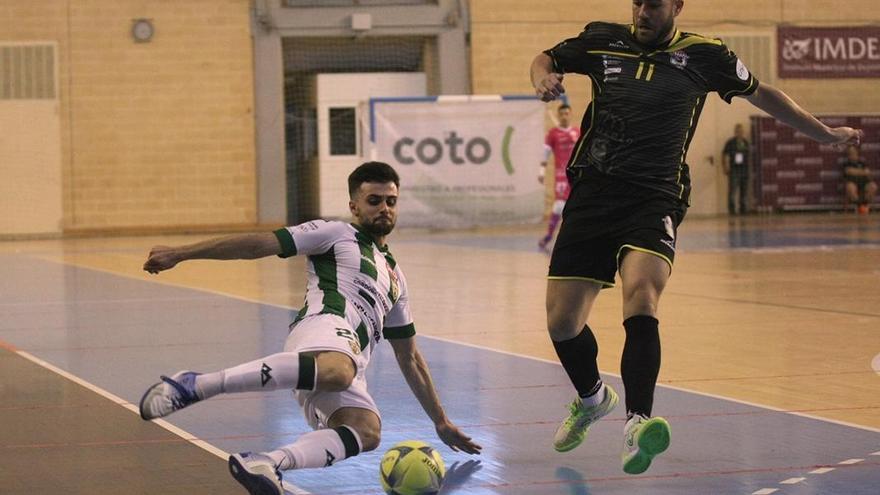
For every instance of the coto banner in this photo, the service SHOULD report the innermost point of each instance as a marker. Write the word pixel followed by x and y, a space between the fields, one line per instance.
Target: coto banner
pixel 462 161
pixel 828 52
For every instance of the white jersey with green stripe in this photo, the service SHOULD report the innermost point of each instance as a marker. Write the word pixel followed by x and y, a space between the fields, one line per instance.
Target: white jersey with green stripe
pixel 350 276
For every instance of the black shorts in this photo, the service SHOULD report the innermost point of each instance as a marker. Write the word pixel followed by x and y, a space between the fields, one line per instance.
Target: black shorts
pixel 603 219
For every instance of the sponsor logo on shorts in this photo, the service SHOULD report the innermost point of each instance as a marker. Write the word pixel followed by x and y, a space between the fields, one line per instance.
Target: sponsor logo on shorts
pixel 355 347
pixel 670 230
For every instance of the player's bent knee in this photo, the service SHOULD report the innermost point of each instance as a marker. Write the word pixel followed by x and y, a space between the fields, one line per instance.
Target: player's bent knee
pixel 370 438
pixel 562 326
pixel 363 422
pixel 335 373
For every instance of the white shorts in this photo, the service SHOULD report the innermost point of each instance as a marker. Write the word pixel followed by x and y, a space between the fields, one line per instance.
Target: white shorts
pixel 326 332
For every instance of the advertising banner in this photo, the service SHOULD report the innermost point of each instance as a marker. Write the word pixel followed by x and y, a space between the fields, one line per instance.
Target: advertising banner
pixel 828 52
pixel 797 173
pixel 463 161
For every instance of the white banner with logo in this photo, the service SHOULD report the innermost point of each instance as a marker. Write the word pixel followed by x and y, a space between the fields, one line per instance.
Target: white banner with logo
pixel 828 52
pixel 463 161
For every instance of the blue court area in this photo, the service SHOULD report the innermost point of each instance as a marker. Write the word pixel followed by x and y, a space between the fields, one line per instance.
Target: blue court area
pixel 120 334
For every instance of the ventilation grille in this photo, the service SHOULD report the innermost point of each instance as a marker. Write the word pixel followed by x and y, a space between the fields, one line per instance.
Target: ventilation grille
pixel 27 72
pixel 756 51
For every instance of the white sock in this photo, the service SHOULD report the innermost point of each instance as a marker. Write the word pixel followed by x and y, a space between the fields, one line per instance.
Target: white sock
pixel 317 449
pixel 595 399
pixel 273 372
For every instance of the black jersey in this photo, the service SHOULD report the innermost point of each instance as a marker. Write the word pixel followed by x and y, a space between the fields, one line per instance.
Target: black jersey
pixel 646 101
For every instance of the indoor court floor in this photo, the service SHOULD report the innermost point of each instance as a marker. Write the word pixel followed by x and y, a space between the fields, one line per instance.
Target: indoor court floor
pixel 770 378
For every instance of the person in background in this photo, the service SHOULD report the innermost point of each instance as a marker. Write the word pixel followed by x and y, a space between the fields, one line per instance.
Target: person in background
pixel 560 142
pixel 735 160
pixel 858 183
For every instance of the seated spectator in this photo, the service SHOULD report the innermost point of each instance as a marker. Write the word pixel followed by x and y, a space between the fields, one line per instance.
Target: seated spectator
pixel 859 185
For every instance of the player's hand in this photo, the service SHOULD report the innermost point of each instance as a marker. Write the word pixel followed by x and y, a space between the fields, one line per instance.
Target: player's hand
pixel 550 87
pixel 842 137
pixel 541 179
pixel 456 440
pixel 161 258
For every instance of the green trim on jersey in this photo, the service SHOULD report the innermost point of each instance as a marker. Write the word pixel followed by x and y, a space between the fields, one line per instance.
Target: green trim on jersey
pixel 389 257
pixel 288 246
pixel 363 339
pixel 368 268
pixel 325 269
pixel 365 243
pixel 302 312
pixel 403 332
pixel 368 261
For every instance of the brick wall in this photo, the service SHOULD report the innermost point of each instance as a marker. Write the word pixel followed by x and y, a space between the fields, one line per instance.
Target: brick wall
pixel 507 34
pixel 156 134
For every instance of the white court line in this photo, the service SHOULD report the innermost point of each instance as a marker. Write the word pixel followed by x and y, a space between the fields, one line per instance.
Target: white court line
pixel 765 491
pixel 189 437
pixel 850 461
pixel 791 481
pixel 475 346
pixel 822 470
pixel 876 453
pixel 671 387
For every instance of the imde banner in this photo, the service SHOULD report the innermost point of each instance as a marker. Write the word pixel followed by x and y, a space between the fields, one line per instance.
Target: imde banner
pixel 822 53
pixel 463 161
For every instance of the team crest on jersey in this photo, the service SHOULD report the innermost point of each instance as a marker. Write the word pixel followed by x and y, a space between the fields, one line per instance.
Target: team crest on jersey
pixel 678 59
pixel 355 347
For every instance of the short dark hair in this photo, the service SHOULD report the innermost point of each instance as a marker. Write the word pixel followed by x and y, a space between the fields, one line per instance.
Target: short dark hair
pixel 371 172
pixel 563 107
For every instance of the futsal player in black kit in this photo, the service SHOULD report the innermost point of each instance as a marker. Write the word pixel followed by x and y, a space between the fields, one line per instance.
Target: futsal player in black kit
pixel 630 192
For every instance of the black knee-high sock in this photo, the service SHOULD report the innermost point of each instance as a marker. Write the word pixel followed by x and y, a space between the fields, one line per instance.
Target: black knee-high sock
pixel 578 357
pixel 640 363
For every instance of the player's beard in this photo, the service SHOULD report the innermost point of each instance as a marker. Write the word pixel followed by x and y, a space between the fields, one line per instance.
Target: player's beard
pixel 662 33
pixel 378 227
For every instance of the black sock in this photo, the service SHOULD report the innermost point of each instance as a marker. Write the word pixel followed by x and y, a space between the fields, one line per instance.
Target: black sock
pixel 578 357
pixel 640 363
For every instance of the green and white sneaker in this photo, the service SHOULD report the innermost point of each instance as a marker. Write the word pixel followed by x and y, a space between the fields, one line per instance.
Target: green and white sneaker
pixel 573 430
pixel 643 438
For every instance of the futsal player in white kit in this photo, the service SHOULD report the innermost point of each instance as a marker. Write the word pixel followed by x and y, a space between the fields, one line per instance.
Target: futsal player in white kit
pixel 356 295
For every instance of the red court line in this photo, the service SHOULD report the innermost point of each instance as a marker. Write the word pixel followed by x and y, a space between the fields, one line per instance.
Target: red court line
pixel 686 380
pixel 512 424
pixel 9 347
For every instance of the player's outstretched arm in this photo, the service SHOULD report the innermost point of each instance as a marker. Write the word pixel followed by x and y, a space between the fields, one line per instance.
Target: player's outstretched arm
pixel 235 247
pixel 548 84
pixel 773 101
pixel 418 377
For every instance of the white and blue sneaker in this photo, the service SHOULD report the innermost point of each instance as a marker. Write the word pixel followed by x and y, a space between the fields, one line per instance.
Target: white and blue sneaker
pixel 169 395
pixel 257 473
